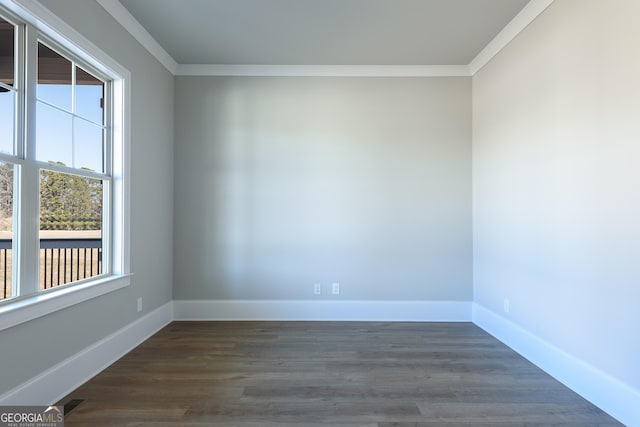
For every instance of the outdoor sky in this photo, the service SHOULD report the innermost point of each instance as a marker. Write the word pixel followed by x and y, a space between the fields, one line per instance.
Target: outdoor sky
pixel 59 136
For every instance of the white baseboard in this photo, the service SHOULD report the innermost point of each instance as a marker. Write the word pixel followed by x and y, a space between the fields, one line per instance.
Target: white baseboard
pixel 58 381
pixel 618 399
pixel 610 394
pixel 409 311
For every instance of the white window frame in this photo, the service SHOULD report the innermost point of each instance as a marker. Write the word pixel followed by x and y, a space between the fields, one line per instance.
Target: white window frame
pixel 23 309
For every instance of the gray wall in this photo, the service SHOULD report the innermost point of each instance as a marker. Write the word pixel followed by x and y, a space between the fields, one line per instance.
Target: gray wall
pixel 29 348
pixel 283 182
pixel 556 143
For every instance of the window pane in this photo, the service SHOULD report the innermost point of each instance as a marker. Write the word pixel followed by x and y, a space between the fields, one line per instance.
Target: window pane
pixel 6 229
pixel 54 78
pixel 7 129
pixel 70 228
pixel 89 92
pixel 87 143
pixel 53 135
pixel 7 52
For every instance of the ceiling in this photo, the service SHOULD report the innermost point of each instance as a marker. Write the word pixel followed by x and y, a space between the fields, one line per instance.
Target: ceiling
pixel 324 32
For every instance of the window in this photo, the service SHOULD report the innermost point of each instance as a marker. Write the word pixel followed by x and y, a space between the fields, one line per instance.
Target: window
pixel 63 188
pixel 70 134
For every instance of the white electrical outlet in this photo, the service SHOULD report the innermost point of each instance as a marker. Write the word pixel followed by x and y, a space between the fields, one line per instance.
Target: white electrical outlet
pixel 506 305
pixel 317 289
pixel 335 288
pixel 140 304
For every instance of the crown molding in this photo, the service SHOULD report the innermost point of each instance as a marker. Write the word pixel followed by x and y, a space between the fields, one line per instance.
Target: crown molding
pixel 324 70
pixel 508 33
pixel 131 24
pixel 525 17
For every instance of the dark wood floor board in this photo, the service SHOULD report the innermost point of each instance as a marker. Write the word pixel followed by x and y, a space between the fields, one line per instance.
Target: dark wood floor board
pixel 355 374
pixel 430 393
pixel 500 412
pixel 247 424
pixel 306 410
pixel 496 424
pixel 99 416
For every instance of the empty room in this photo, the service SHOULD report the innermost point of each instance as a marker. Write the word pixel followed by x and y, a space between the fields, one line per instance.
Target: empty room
pixel 364 213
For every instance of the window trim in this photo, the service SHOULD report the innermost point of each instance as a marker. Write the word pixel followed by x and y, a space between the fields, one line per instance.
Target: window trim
pixel 23 309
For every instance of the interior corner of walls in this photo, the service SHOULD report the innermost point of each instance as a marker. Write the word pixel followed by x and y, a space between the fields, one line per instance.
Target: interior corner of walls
pixel 525 17
pixel 56 382
pixel 612 395
pixel 305 310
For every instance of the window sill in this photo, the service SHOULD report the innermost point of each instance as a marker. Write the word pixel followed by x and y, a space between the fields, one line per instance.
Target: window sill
pixel 22 310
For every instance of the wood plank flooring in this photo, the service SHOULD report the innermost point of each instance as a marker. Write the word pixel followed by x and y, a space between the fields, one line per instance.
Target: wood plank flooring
pixel 357 374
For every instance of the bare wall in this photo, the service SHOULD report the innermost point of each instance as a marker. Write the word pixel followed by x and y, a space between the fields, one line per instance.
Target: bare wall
pixel 283 182
pixel 555 182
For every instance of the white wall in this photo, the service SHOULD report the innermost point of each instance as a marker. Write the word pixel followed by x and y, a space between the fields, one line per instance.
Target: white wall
pixel 284 182
pixel 556 194
pixel 31 348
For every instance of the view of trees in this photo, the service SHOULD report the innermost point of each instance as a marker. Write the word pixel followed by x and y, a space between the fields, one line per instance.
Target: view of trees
pixel 6 196
pixel 67 202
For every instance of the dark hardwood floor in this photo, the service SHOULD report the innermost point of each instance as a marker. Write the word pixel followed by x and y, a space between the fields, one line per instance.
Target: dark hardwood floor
pixel 250 374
